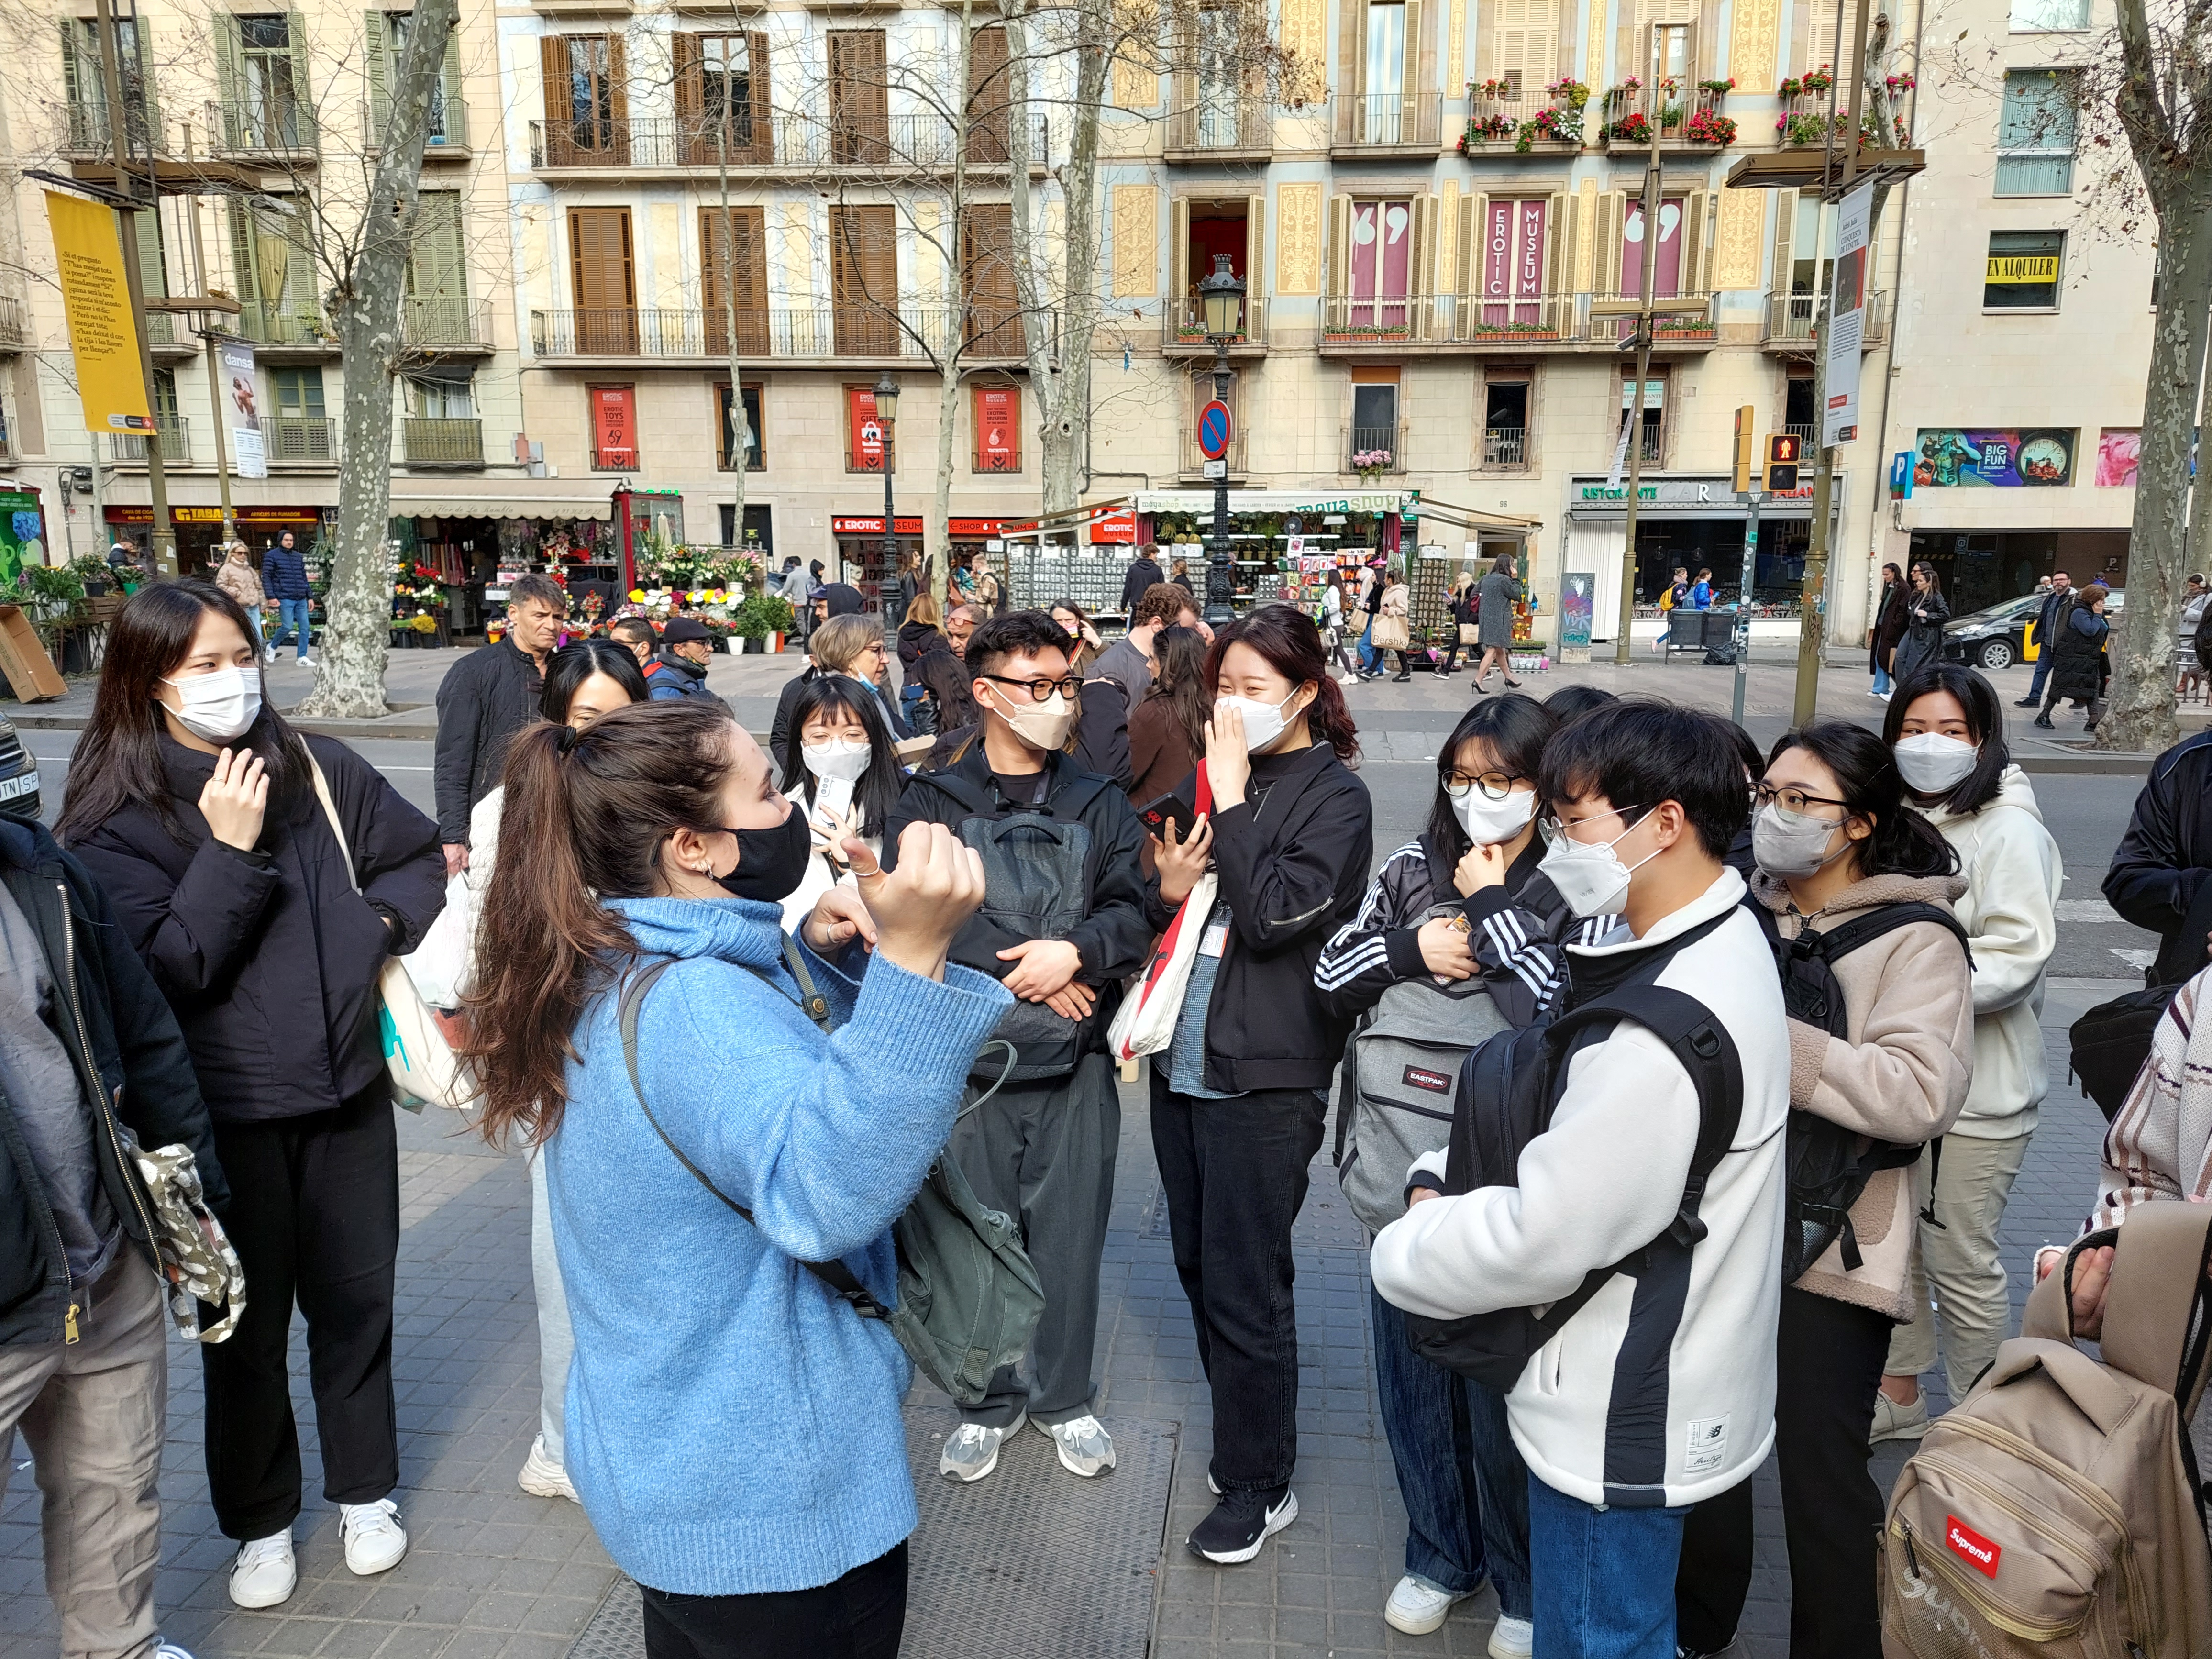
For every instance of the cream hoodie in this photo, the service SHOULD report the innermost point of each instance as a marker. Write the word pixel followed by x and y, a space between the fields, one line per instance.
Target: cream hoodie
pixel 2013 875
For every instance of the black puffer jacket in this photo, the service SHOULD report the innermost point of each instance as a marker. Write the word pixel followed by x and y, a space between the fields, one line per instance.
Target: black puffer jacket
pixel 268 958
pixel 132 1058
pixel 2077 659
pixel 485 699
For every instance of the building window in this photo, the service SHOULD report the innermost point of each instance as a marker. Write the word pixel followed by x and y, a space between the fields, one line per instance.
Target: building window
pixel 1374 426
pixel 751 437
pixel 85 86
pixel 2036 133
pixel 1667 281
pixel 2049 16
pixel 1506 422
pixel 1655 413
pixel 2023 270
pixel 1382 264
pixel 440 126
pixel 1386 73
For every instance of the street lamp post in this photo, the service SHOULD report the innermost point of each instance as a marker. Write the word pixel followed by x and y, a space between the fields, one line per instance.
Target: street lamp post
pixel 1221 300
pixel 887 397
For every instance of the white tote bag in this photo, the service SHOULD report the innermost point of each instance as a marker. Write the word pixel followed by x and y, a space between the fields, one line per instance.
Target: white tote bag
pixel 421 1064
pixel 1145 1022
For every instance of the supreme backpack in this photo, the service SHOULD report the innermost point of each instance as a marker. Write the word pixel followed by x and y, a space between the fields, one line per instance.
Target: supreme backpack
pixel 2056 1508
pixel 1829 1165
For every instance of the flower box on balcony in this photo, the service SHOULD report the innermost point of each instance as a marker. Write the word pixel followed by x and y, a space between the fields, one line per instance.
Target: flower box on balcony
pixel 1367 332
pixel 1515 332
pixel 1685 331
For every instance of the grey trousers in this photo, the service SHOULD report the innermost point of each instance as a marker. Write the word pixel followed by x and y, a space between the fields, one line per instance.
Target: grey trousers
pixel 1044 1152
pixel 556 1342
pixel 94 1413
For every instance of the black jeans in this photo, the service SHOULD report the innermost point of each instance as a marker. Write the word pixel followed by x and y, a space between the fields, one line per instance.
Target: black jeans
pixel 860 1616
pixel 1234 1172
pixel 1828 1365
pixel 314 1215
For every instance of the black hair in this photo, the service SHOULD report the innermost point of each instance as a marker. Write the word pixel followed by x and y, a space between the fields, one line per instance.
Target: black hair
pixel 1904 843
pixel 877 788
pixel 636 629
pixel 1516 730
pixel 1017 634
pixel 1747 750
pixel 567 670
pixel 1638 753
pixel 1985 721
pixel 1922 567
pixel 1572 701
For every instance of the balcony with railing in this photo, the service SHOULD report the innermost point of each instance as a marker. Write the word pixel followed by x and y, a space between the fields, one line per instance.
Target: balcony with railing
pixel 89 131
pixel 917 333
pixel 15 325
pixel 277 127
pixel 1507 448
pixel 1182 333
pixel 1690 119
pixel 287 326
pixel 441 441
pixel 306 440
pixel 1504 119
pixel 1220 127
pixel 1808 434
pixel 446 138
pixel 1677 330
pixel 169 338
pixel 901 144
pixel 175 433
pixel 436 323
pixel 1374 452
pixel 1386 123
pixel 1355 323
pixel 1793 322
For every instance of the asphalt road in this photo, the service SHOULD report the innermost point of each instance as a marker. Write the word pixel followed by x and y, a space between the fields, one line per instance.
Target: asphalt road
pixel 2086 814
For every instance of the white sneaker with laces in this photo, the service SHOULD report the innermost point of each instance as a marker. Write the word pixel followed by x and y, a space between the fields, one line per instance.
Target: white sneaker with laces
pixel 541 1477
pixel 1894 1422
pixel 265 1573
pixel 971 1451
pixel 168 1651
pixel 1512 1638
pixel 1085 1448
pixel 1416 1607
pixel 304 662
pixel 374 1540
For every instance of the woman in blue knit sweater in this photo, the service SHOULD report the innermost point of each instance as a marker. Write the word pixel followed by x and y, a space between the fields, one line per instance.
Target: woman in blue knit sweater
pixel 734 1427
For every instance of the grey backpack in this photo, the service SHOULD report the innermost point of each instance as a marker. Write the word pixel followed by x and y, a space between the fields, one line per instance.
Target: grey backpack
pixel 969 1298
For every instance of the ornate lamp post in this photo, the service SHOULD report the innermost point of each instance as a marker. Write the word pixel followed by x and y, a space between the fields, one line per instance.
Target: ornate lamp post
pixel 1221 301
pixel 887 397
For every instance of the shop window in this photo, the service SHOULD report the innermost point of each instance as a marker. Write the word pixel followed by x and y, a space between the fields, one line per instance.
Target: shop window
pixel 2036 129
pixel 749 435
pixel 2022 270
pixel 2050 16
pixel 1506 422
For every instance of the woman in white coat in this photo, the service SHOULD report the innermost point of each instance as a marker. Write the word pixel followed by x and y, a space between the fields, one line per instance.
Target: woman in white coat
pixel 842 771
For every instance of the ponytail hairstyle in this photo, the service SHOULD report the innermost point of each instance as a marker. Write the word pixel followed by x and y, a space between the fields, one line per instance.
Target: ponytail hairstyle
pixel 1290 640
pixel 1904 843
pixel 585 817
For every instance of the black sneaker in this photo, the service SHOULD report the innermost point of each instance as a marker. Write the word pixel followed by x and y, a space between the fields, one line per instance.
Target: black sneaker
pixel 2026 702
pixel 2044 723
pixel 1241 1522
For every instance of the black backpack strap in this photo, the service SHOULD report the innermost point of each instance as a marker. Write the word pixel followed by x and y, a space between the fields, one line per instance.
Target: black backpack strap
pixel 1863 929
pixel 836 1274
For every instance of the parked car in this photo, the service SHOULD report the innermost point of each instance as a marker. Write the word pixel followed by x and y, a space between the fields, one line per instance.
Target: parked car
pixel 1996 637
pixel 19 775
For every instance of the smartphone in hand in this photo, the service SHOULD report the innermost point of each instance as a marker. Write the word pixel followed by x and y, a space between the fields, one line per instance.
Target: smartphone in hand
pixel 1170 808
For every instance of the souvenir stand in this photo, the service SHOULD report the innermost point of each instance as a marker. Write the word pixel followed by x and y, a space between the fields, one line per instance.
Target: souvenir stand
pixel 1456 540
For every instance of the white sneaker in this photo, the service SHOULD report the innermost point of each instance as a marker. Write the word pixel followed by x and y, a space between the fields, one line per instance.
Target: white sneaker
pixel 541 1477
pixel 1416 1607
pixel 269 655
pixel 374 1540
pixel 304 662
pixel 1512 1638
pixel 264 1573
pixel 1894 1422
pixel 971 1451
pixel 1085 1448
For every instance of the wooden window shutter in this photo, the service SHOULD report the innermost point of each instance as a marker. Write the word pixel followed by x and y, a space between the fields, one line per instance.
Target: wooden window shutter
pixel 450 71
pixel 688 59
pixel 1339 246
pixel 242 265
pixel 757 86
pixel 1610 210
pixel 618 95
pixel 295 31
pixel 437 266
pixel 1179 249
pixel 372 50
pixel 1467 262
pixel 1421 278
pixel 989 141
pixel 1558 244
pixel 1351 76
pixel 735 244
pixel 1693 280
pixel 152 113
pixel 1785 241
pixel 1255 252
pixel 75 91
pixel 599 259
pixel 864 274
pixel 554 67
pixel 230 71
pixel 994 325
pixel 1412 83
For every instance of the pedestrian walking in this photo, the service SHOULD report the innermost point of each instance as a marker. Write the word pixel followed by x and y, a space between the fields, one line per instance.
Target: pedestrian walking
pixel 1181 578
pixel 1501 591
pixel 1462 627
pixel 265 875
pixel 679 669
pixel 845 776
pixel 1701 591
pixel 1143 573
pixel 1890 620
pixel 1238 1096
pixel 1394 622
pixel 1167 731
pixel 1676 598
pixel 1947 730
pixel 1837 846
pixel 237 577
pixel 2078 667
pixel 484 699
pixel 1116 682
pixel 1335 625
pixel 1926 610
pixel 284 579
pixel 2056 601
pixel 2189 673
pixel 84 1352
pixel 911 583
pixel 734 1433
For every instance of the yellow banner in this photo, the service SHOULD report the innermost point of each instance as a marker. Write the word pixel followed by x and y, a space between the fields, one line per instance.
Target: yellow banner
pixel 2023 267
pixel 96 295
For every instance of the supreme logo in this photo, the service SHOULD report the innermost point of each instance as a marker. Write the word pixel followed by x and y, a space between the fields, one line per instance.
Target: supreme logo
pixel 1970 1546
pixel 1420 1077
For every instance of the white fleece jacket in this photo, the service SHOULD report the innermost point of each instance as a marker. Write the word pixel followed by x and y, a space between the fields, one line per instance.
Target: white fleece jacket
pixel 1601 1183
pixel 2013 874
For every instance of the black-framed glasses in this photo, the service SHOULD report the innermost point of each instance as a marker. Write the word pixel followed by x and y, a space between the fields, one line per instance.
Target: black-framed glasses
pixel 1791 800
pixel 1039 689
pixel 1495 784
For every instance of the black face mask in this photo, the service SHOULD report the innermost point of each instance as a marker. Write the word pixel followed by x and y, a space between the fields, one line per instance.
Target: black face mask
pixel 771 863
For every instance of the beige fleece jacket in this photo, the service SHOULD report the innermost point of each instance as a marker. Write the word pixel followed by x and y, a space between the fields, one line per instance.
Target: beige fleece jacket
pixel 1900 1072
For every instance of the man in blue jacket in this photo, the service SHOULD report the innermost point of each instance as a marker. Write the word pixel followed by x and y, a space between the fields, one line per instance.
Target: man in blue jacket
pixel 89 1049
pixel 284 579
pixel 2056 604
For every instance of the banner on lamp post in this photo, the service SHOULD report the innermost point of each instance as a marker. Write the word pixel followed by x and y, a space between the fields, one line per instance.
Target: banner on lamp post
pixel 243 404
pixel 1847 298
pixel 111 377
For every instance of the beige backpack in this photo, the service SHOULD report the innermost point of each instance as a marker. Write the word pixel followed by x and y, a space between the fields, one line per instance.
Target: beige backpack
pixel 2055 1510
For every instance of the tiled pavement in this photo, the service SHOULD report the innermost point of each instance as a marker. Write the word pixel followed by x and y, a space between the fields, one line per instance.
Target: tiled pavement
pixel 494 1571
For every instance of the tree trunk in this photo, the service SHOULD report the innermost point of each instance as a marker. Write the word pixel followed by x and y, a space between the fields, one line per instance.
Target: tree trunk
pixel 364 305
pixel 740 436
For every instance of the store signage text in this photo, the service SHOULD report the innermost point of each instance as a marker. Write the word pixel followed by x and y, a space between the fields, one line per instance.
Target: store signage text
pixel 873 526
pixel 1691 495
pixel 2022 268
pixel 214 515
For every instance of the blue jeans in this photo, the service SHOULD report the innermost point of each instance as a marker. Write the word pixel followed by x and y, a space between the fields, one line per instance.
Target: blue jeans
pixel 1883 685
pixel 2042 673
pixel 1371 659
pixel 291 621
pixel 1465 1487
pixel 1604 1577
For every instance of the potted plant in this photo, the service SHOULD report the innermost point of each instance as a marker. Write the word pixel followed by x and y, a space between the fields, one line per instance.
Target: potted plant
pixel 1710 127
pixel 1370 464
pixel 94 573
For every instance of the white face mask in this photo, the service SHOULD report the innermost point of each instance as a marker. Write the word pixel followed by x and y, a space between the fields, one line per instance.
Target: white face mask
pixel 221 705
pixel 1930 762
pixel 840 757
pixel 1784 843
pixel 1264 722
pixel 1040 724
pixel 1488 822
pixel 1589 875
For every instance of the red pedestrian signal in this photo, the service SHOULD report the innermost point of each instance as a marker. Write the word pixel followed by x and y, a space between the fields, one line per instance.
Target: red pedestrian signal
pixel 1782 453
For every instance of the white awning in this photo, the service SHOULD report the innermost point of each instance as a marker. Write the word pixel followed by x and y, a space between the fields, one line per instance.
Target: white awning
pixel 505 503
pixel 1278 500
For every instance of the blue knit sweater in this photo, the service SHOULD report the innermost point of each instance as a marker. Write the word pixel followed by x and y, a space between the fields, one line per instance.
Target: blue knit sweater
pixel 734 1427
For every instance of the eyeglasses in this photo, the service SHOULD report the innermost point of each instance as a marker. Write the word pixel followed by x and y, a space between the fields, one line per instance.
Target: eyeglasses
pixel 1495 786
pixel 1790 799
pixel 1039 690
pixel 1555 828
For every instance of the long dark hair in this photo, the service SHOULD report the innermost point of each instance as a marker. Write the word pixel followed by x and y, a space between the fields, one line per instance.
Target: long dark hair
pixel 1290 641
pixel 116 764
pixel 1903 843
pixel 567 670
pixel 842 696
pixel 1514 729
pixel 1180 680
pixel 1985 720
pixel 585 817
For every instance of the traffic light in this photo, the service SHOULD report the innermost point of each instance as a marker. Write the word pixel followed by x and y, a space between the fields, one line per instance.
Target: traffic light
pixel 1747 447
pixel 1781 463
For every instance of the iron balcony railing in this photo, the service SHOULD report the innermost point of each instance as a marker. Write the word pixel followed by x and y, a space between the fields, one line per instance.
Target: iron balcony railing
pixel 900 143
pixel 1685 115
pixel 15 331
pixel 285 325
pixel 1488 320
pixel 1400 120
pixel 1806 434
pixel 89 128
pixel 1225 121
pixel 265 126
pixel 432 320
pixel 446 128
pixel 1505 447
pixel 441 441
pixel 176 435
pixel 1374 449
pixel 1183 327
pixel 1676 328
pixel 299 437
pixel 1500 125
pixel 1795 319
pixel 918 331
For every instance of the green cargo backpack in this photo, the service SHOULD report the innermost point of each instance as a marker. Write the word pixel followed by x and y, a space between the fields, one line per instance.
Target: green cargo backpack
pixel 969 1298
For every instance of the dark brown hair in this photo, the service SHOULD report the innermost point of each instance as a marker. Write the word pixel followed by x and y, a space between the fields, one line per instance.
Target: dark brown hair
pixel 584 819
pixel 1180 680
pixel 1290 641
pixel 116 764
pixel 1162 602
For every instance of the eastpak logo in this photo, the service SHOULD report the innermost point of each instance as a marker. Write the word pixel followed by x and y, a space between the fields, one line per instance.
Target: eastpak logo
pixel 1420 1077
pixel 1970 1546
